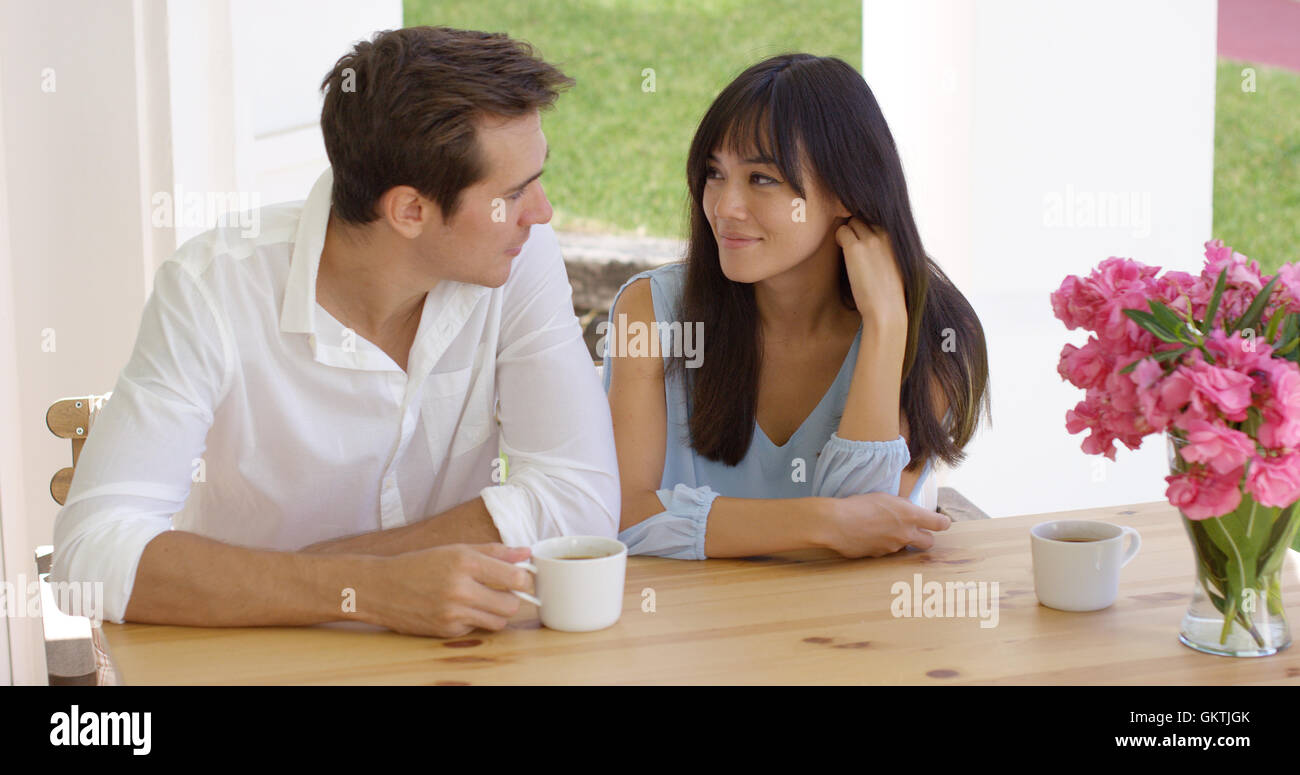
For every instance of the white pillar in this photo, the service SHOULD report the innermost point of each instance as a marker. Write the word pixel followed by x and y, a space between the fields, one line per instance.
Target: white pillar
pixel 81 93
pixel 96 111
pixel 1004 110
pixel 246 93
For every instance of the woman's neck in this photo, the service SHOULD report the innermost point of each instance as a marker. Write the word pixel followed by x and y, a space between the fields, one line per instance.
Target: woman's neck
pixel 804 302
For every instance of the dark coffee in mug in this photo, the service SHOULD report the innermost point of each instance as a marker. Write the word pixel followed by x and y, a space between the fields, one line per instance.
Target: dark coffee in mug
pixel 1078 539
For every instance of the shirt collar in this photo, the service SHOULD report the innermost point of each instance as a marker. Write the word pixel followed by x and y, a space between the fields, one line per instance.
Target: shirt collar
pixel 297 315
pixel 446 308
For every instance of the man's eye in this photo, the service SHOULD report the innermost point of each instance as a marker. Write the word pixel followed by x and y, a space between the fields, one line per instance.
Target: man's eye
pixel 516 196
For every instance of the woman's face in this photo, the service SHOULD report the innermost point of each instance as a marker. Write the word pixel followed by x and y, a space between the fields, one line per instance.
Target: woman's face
pixel 762 226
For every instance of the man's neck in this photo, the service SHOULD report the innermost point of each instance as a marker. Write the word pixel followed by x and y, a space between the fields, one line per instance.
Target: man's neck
pixel 365 284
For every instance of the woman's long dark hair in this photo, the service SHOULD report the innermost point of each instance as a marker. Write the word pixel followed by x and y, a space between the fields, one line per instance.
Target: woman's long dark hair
pixel 819 110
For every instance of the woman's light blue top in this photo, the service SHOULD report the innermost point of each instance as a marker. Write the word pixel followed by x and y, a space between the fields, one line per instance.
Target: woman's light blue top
pixel 814 461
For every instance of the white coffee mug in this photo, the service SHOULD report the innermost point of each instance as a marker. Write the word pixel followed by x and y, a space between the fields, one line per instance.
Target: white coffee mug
pixel 577 595
pixel 1077 562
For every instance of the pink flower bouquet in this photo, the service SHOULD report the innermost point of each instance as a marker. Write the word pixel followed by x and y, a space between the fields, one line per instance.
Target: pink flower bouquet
pixel 1210 361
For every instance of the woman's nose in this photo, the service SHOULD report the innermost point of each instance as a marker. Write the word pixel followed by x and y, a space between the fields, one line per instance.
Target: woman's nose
pixel 730 204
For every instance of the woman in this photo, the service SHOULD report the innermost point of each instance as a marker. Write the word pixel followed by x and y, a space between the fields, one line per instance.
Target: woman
pixel 821 316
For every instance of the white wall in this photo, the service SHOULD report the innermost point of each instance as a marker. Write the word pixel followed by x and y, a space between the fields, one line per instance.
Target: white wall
pixel 79 89
pixel 998 106
pixel 229 103
pixel 246 91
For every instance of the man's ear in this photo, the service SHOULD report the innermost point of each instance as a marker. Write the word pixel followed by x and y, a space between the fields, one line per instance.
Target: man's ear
pixel 407 212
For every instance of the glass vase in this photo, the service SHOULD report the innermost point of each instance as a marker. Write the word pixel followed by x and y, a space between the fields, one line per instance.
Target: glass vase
pixel 1236 607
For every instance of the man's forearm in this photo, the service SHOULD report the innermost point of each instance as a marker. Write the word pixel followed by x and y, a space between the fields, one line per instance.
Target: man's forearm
pixel 468 523
pixel 186 579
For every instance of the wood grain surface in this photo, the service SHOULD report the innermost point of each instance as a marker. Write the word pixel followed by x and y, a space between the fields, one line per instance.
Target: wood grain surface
pixel 794 618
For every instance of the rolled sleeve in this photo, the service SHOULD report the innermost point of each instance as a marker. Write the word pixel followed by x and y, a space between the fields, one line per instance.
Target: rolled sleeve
pixel 854 467
pixel 134 472
pixel 556 428
pixel 679 530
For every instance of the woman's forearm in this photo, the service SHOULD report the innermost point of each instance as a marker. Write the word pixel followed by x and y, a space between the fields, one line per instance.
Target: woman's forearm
pixel 743 527
pixel 872 408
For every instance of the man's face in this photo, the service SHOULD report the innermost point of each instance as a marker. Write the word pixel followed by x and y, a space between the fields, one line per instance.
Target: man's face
pixel 477 244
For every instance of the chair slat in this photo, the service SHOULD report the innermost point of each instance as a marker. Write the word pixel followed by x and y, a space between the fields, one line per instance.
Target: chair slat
pixel 65 417
pixel 957 507
pixel 59 485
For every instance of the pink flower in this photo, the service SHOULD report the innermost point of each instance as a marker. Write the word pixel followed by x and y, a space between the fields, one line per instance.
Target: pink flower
pixel 1086 415
pixel 1225 389
pixel 1236 378
pixel 1201 494
pixel 1280 428
pixel 1219 447
pixel 1123 284
pixel 1097 302
pixel 1275 481
pixel 1161 395
pixel 1239 353
pixel 1242 272
pixel 1074 304
pixel 1083 367
pixel 1119 387
pixel 1177 289
pixel 1242 283
pixel 1288 279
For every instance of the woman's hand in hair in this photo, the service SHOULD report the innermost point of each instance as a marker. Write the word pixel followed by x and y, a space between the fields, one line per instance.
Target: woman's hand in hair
pixel 873 273
pixel 875 524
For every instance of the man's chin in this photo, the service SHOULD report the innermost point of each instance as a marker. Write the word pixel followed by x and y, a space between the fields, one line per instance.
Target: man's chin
pixel 499 279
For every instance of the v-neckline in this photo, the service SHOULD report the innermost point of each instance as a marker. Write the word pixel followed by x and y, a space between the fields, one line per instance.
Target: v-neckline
pixel 853 346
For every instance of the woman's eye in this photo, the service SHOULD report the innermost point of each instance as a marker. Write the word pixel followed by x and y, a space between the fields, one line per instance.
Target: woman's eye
pixel 712 172
pixel 762 179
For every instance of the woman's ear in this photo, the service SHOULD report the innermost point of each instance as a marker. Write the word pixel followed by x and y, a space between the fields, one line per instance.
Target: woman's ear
pixel 841 211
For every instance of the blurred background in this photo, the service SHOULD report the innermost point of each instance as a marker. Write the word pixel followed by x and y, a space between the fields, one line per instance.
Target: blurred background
pixel 128 126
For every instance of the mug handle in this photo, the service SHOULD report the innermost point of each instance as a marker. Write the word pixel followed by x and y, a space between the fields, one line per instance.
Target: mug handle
pixel 528 566
pixel 1133 547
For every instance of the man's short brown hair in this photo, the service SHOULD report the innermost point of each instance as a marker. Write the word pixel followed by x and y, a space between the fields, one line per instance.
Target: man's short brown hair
pixel 400 109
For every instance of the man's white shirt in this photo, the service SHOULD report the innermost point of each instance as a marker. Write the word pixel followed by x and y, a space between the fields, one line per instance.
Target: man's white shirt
pixel 248 414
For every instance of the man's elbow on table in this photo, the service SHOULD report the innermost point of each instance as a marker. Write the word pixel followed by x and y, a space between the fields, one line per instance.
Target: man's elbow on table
pixel 535 505
pixel 100 565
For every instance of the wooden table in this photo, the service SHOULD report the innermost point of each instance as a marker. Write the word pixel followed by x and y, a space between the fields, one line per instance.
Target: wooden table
pixel 794 618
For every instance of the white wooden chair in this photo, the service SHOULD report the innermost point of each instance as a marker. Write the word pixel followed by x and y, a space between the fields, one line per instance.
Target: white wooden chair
pixel 74 647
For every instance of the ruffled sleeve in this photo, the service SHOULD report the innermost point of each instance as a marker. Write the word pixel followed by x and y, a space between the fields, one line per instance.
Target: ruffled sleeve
pixel 854 467
pixel 678 531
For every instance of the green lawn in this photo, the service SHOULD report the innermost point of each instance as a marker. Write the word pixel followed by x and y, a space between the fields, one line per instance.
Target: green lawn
pixel 1257 163
pixel 617 152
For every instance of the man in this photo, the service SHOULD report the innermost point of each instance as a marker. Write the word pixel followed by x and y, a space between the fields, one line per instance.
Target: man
pixel 309 426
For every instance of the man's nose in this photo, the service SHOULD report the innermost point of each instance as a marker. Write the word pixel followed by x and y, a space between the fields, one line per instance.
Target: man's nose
pixel 539 208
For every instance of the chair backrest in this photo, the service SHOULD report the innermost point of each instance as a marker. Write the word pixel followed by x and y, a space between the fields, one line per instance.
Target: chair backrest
pixel 72 656
pixel 71 418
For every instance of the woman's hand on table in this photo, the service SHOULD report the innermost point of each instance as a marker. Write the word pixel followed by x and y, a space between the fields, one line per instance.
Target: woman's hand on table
pixel 878 523
pixel 446 591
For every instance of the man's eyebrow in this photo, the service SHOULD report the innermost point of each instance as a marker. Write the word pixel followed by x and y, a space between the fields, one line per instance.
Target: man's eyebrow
pixel 524 185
